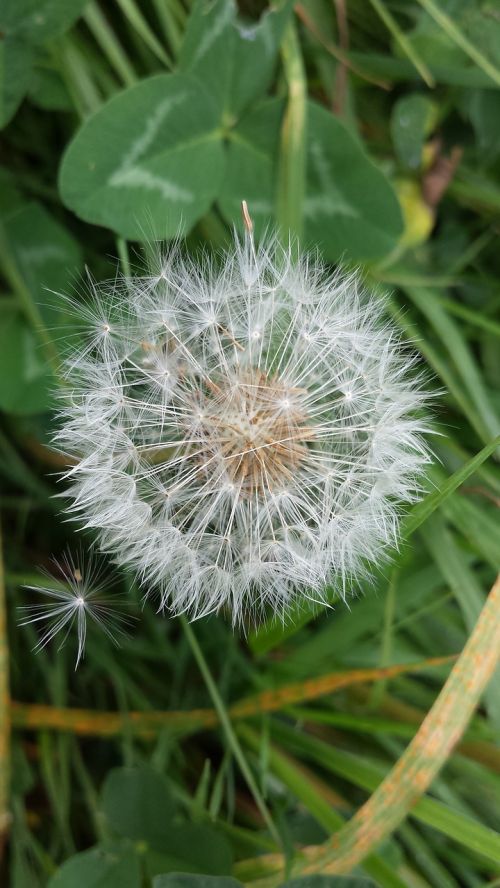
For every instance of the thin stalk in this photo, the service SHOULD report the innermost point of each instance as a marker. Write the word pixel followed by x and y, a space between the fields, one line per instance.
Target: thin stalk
pixel 455 34
pixel 292 160
pixel 227 727
pixel 75 73
pixel 106 38
pixel 143 29
pixel 398 35
pixel 169 25
pixel 342 57
pixel 386 646
pixel 122 247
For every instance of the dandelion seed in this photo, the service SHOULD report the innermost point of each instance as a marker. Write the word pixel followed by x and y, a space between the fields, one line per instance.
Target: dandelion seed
pixel 75 592
pixel 247 435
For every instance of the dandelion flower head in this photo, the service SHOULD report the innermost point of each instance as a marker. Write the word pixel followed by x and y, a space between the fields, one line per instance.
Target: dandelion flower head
pixel 244 429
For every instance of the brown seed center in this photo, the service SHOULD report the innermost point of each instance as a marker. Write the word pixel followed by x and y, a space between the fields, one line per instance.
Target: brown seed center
pixel 254 431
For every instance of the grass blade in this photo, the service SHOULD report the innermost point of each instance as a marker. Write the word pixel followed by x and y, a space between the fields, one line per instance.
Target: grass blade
pixel 455 34
pixel 433 500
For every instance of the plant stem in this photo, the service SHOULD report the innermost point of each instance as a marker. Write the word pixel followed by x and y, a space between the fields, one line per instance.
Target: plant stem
pixel 292 160
pixel 407 47
pixel 106 38
pixel 141 26
pixel 455 34
pixel 227 727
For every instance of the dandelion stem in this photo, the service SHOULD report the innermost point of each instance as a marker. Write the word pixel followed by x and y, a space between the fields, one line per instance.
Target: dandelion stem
pixel 228 728
pixel 122 247
pixel 292 162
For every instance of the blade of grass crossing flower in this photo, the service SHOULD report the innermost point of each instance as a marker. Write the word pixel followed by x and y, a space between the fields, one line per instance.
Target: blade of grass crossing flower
pixel 292 160
pixel 225 721
pixel 122 248
pixel 414 772
pixel 455 34
pixel 4 711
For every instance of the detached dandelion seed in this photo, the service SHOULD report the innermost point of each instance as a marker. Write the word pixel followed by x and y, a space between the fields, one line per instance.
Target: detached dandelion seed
pixel 245 430
pixel 76 594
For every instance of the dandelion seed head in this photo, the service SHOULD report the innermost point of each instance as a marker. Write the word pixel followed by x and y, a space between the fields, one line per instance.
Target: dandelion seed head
pixel 245 433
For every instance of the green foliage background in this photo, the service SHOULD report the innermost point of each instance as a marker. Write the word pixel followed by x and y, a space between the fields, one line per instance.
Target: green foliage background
pixel 372 131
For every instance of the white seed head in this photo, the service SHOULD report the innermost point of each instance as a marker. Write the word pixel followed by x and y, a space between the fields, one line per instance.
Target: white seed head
pixel 244 429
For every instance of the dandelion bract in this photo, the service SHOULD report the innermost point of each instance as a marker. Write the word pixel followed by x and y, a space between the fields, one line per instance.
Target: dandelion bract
pixel 245 428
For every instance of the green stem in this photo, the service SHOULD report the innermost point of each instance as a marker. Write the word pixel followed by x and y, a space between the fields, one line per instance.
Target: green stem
pixel 227 727
pixel 292 161
pixel 386 647
pixel 454 33
pixel 111 47
pixel 122 247
pixel 169 25
pixel 142 28
pixel 398 35
pixel 75 72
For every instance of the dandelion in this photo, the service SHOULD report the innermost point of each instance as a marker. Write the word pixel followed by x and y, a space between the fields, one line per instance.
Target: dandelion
pixel 245 429
pixel 75 593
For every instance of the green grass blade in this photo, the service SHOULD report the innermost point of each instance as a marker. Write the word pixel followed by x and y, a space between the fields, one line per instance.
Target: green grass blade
pixel 433 500
pixel 455 34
